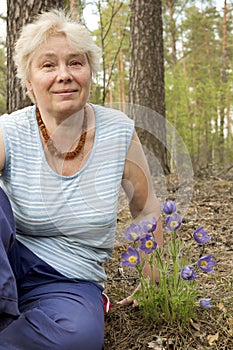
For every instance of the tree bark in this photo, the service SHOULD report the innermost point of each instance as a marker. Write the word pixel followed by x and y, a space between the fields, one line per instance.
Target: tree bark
pixel 76 9
pixel 170 4
pixel 18 13
pixel 146 85
pixel 224 83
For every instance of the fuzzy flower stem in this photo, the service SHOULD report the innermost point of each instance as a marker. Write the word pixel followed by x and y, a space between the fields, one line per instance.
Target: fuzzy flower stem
pixel 202 248
pixel 175 255
pixel 163 284
pixel 151 262
pixel 139 268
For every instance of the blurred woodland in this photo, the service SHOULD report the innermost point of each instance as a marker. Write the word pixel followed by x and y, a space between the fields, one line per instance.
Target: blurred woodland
pixel 197 61
pixel 176 58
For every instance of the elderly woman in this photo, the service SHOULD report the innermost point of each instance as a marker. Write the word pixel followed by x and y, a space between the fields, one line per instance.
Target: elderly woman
pixel 63 161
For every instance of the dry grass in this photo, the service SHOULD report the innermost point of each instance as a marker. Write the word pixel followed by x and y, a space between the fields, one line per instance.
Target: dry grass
pixel 211 207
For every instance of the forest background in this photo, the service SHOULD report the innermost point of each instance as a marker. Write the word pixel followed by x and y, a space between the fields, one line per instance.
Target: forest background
pixel 197 54
pixel 198 51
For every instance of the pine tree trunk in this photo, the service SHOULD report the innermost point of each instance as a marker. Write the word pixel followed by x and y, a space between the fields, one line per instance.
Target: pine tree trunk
pixel 146 85
pixel 19 13
pixel 170 4
pixel 224 84
pixel 76 9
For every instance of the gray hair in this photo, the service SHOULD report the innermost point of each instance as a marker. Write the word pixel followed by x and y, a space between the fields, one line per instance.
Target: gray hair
pixel 48 24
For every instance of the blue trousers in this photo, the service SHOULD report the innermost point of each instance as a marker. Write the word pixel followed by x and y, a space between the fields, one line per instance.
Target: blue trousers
pixel 45 310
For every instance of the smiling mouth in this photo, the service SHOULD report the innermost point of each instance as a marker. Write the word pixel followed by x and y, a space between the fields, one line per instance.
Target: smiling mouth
pixel 65 92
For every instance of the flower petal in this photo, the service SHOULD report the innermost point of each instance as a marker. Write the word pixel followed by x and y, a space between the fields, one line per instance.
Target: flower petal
pixel 188 273
pixel 173 222
pixel 148 244
pixel 201 236
pixel 205 303
pixel 206 264
pixel 130 258
pixel 169 207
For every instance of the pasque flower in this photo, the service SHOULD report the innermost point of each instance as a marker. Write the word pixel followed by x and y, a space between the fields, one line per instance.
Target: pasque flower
pixel 188 273
pixel 201 236
pixel 131 257
pixel 205 303
pixel 177 277
pixel 206 264
pixel 149 226
pixel 148 244
pixel 173 222
pixel 133 232
pixel 169 207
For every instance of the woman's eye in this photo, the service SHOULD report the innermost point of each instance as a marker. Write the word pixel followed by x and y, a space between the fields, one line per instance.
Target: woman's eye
pixel 47 65
pixel 75 63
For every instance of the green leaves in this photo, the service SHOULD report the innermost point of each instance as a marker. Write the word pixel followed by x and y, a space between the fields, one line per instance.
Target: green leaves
pixel 173 297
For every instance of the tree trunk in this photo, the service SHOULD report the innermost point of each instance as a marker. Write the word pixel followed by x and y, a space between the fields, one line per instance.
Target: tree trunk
pixel 76 9
pixel 146 84
pixel 170 4
pixel 19 13
pixel 224 84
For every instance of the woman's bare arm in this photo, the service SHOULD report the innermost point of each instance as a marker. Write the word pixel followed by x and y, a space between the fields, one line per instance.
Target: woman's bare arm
pixel 143 202
pixel 2 151
pixel 138 186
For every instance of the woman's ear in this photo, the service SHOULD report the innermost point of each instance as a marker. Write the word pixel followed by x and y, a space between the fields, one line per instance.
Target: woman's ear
pixel 28 85
pixel 30 92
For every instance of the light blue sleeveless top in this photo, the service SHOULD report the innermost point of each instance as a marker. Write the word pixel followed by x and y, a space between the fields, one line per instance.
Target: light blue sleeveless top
pixel 68 221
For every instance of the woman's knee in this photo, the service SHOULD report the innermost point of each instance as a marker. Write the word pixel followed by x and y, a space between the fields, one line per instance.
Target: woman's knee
pixel 34 327
pixel 7 223
pixel 80 326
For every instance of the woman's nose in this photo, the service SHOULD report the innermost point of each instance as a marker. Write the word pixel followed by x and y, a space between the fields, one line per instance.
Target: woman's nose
pixel 64 74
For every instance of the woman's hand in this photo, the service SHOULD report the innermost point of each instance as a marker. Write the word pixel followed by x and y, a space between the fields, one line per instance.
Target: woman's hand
pixel 130 300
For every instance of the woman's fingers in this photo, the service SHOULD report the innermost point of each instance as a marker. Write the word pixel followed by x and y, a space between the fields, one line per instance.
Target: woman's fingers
pixel 131 299
pixel 128 301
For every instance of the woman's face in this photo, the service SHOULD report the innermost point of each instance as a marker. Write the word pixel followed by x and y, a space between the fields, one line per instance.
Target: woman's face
pixel 59 78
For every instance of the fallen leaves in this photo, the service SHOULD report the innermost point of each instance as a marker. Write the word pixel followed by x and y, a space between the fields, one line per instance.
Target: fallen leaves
pixel 195 325
pixel 212 338
pixel 125 329
pixel 155 346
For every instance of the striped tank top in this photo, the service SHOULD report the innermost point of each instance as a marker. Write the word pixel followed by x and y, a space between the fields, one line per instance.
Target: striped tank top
pixel 68 221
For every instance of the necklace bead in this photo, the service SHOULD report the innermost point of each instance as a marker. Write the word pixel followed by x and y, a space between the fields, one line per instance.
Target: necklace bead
pixel 49 142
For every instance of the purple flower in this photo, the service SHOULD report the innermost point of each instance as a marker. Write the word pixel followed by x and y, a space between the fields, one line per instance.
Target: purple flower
pixel 133 232
pixel 206 264
pixel 169 207
pixel 149 226
pixel 130 258
pixel 201 236
pixel 148 244
pixel 205 303
pixel 188 273
pixel 173 222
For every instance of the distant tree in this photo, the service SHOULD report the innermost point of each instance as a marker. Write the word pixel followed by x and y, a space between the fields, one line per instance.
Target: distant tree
pixel 76 8
pixel 170 4
pixel 201 65
pixel 19 13
pixel 111 36
pixel 3 78
pixel 146 81
pixel 224 84
pixel 198 83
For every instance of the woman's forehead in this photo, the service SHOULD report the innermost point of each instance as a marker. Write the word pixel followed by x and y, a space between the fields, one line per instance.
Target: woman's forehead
pixel 59 44
pixel 53 54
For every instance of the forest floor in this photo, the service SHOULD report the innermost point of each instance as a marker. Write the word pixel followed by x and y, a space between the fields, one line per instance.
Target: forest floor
pixel 211 206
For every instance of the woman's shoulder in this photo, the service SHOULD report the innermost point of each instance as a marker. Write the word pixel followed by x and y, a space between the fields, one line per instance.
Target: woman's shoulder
pixel 23 113
pixel 19 116
pixel 111 115
pixel 19 124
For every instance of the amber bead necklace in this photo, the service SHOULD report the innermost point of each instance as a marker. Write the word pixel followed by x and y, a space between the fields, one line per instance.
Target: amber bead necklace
pixel 49 142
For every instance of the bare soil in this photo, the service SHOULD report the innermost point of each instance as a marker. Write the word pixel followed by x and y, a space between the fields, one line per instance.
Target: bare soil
pixel 125 327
